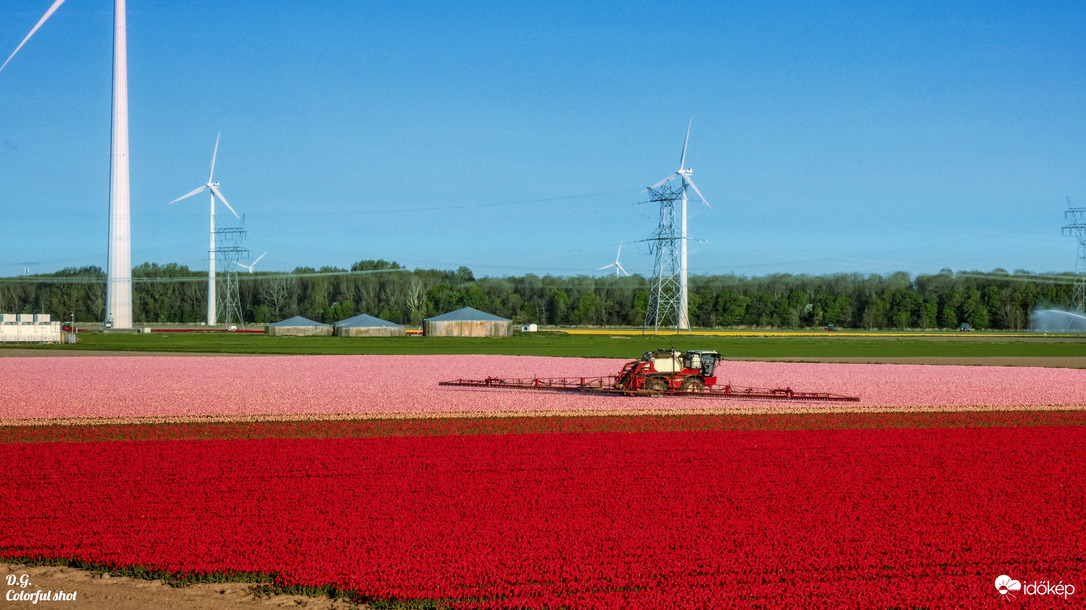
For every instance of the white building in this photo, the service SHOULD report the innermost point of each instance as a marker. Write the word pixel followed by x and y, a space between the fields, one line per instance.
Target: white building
pixel 28 328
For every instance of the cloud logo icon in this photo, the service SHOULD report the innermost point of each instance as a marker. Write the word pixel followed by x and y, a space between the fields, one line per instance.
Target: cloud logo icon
pixel 1005 584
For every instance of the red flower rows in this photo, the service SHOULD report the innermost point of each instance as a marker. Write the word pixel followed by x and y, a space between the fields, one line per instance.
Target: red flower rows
pixel 860 518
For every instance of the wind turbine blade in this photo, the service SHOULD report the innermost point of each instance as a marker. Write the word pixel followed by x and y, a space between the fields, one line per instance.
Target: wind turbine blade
pixel 671 177
pixel 187 195
pixel 244 266
pixel 682 160
pixel 213 155
pixel 623 269
pixel 619 251
pixel 605 267
pixel 215 189
pixel 695 187
pixel 257 261
pixel 47 14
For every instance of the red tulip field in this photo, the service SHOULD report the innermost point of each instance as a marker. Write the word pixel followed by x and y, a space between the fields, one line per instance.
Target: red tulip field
pixel 332 472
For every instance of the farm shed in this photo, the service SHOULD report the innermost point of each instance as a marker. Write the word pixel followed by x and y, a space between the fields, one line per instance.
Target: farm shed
pixel 298 327
pixel 467 322
pixel 364 325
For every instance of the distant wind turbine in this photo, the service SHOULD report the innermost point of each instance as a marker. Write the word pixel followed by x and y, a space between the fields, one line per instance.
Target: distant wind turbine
pixel 684 174
pixel 250 267
pixel 212 316
pixel 617 265
pixel 119 253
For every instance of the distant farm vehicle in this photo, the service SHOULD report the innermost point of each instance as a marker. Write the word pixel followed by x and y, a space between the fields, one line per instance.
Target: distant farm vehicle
pixel 829 327
pixel 965 327
pixel 659 373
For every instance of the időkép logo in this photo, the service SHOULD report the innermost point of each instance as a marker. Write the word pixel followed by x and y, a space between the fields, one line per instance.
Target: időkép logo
pixel 1007 587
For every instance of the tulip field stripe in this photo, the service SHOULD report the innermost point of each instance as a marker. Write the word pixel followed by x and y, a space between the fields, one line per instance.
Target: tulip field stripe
pixel 899 517
pixel 37 389
pixel 452 426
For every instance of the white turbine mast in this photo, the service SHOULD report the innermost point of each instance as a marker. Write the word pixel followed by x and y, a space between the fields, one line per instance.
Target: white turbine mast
pixel 617 265
pixel 212 316
pixel 119 252
pixel 250 267
pixel 686 175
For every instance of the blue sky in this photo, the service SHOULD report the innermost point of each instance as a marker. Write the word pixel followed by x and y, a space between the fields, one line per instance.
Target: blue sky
pixel 516 137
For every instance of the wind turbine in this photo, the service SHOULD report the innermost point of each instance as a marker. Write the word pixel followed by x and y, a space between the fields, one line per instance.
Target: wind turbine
pixel 617 265
pixel 684 174
pixel 250 267
pixel 119 253
pixel 212 316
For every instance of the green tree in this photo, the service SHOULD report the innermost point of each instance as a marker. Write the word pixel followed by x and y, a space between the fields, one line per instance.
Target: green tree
pixel 948 309
pixel 874 315
pixel 587 311
pixel 929 313
pixel 760 311
pixel 636 315
pixel 474 297
pixel 905 306
pixel 731 308
pixel 316 298
pixel 559 305
pixel 974 311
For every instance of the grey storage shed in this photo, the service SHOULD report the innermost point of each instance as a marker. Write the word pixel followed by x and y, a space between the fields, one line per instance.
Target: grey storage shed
pixel 467 322
pixel 298 327
pixel 364 325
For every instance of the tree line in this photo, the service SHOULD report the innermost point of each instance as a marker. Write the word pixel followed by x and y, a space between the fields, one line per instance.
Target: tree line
pixel 173 293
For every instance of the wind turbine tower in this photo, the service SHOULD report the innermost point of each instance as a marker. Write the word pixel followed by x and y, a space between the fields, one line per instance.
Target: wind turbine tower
pixel 1076 227
pixel 213 186
pixel 119 253
pixel 666 275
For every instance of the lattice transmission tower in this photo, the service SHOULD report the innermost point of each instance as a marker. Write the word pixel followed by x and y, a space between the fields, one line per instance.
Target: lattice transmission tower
pixel 665 291
pixel 1076 227
pixel 670 246
pixel 230 252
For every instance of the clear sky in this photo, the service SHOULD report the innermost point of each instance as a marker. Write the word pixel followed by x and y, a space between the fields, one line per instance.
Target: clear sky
pixel 517 137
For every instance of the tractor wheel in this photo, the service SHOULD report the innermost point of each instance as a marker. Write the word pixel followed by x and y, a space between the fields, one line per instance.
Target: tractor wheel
pixel 693 385
pixel 656 385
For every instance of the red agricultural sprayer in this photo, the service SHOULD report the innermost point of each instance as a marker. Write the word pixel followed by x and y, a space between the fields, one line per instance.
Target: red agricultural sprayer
pixel 661 373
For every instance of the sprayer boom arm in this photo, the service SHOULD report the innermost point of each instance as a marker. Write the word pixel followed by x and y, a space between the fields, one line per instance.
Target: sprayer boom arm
pixel 606 385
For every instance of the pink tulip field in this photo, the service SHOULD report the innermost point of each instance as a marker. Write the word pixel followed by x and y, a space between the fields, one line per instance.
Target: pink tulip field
pixel 406 386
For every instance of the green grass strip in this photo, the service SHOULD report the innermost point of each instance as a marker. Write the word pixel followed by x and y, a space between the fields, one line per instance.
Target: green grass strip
pixel 593 346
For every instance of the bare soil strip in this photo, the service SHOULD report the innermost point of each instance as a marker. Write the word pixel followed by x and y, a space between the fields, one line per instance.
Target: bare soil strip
pixel 103 592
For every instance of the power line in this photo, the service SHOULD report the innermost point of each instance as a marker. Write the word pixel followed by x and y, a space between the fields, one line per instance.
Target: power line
pixel 77 279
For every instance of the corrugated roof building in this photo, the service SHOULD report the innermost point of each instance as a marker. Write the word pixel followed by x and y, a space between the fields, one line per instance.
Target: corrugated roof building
pixel 467 322
pixel 364 325
pixel 298 327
